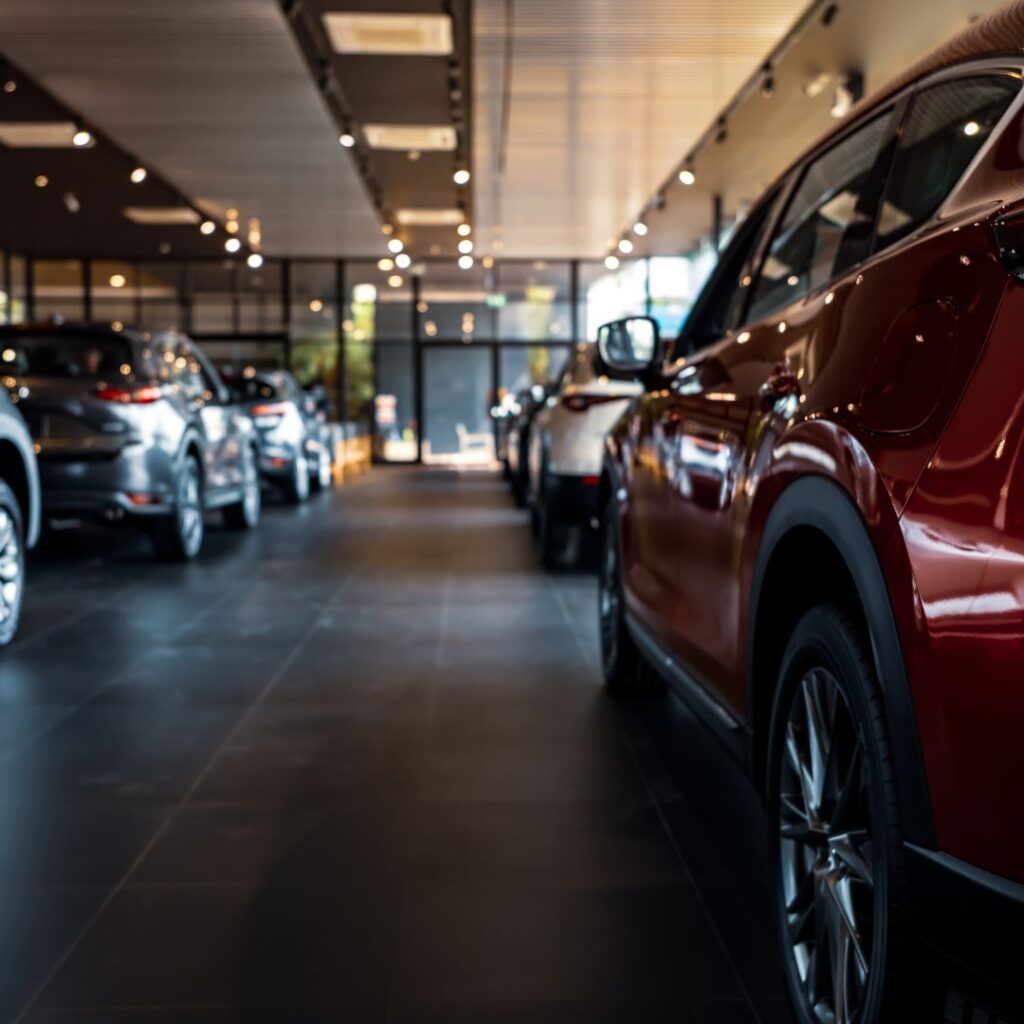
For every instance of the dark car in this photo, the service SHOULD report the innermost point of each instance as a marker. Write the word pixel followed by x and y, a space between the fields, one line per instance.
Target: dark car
pixel 529 402
pixel 295 451
pixel 19 513
pixel 132 428
pixel 814 531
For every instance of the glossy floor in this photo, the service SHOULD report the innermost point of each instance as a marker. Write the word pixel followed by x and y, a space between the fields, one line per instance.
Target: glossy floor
pixel 357 766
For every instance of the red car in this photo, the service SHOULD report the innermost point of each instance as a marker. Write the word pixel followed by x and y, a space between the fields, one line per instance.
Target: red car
pixel 814 531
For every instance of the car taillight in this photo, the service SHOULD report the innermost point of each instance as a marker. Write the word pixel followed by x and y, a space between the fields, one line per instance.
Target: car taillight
pixel 270 409
pixel 132 396
pixel 581 403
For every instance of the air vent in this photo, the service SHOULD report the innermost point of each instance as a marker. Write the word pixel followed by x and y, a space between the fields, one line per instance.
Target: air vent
pixel 422 137
pixel 161 214
pixel 38 134
pixel 419 34
pixel 437 218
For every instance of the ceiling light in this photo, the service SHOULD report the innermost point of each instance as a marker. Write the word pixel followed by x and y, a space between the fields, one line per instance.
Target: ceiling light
pixel 431 138
pixel 687 177
pixel 347 139
pixel 395 245
pixel 972 128
pixel 640 228
pixel 385 264
pixel 38 134
pixel 315 305
pixel 138 175
pixel 118 280
pixel 71 202
pixel 232 245
pixel 161 214
pixel 465 262
pixel 465 246
pixel 231 214
pixel 410 34
pixel 611 262
pixel 207 227
pixel 461 176
pixel 254 260
pixel 403 261
pixel 625 246
pixel 488 262
pixel 231 227
pixel 429 217
pixel 387 229
pixel 81 138
pixel 395 280
pixel 464 229
pixel 10 85
pixel 41 181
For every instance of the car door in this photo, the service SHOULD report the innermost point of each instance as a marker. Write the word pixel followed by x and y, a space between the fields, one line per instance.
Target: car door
pixel 668 460
pixel 745 354
pixel 222 420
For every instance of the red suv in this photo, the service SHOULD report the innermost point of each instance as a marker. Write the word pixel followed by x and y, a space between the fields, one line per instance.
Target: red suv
pixel 814 530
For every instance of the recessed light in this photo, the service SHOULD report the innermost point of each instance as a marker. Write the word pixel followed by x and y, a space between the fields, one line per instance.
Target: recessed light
pixel 232 245
pixel 395 280
pixel 10 85
pixel 625 246
pixel 41 181
pixel 207 227
pixel 138 175
pixel 611 262
pixel 231 227
pixel 396 245
pixel 315 305
pixel 422 137
pixel 385 264
pixel 640 228
pixel 439 217
pixel 465 262
pixel 461 176
pixel 81 138
pixel 118 280
pixel 488 262
pixel 161 214
pixel 412 34
pixel 464 229
pixel 347 139
pixel 403 261
pixel 465 246
pixel 687 177
pixel 254 260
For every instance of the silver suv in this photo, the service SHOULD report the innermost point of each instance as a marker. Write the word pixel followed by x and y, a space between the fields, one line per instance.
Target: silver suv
pixel 132 427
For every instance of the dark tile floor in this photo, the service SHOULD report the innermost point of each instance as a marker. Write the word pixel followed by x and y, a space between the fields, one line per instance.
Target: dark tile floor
pixel 357 766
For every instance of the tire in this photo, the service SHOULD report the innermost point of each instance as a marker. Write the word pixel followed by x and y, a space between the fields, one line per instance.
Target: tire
pixel 179 537
pixel 626 671
pixel 245 514
pixel 12 564
pixel 296 487
pixel 834 833
pixel 552 535
pixel 321 477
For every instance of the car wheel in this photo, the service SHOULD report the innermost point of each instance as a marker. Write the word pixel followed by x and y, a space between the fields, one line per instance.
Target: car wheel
pixel 841 894
pixel 12 564
pixel 296 488
pixel 245 514
pixel 179 537
pixel 625 670
pixel 320 478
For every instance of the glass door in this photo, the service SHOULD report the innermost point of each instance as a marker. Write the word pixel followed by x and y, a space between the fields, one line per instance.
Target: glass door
pixel 457 397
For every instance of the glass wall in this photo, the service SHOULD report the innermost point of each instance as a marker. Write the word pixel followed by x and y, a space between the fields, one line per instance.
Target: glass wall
pixel 58 289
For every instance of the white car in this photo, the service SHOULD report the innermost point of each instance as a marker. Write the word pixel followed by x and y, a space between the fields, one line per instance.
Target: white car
pixel 566 452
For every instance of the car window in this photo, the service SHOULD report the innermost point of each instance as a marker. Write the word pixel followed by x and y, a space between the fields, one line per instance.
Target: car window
pixel 53 354
pixel 720 305
pixel 176 362
pixel 828 222
pixel 944 128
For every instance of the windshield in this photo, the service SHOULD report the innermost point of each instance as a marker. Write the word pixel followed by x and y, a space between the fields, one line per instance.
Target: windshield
pixel 64 355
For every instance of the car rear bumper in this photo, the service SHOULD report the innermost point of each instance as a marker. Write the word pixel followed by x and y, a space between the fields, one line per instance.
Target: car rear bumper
pixel 973 917
pixel 573 499
pixel 105 489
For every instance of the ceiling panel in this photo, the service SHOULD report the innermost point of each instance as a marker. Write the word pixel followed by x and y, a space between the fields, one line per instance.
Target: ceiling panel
pixel 215 95
pixel 604 98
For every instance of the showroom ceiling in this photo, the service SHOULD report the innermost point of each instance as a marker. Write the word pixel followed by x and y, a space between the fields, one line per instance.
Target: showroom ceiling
pixel 571 116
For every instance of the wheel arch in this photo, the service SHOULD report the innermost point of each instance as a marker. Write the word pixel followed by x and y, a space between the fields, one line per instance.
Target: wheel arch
pixel 816 547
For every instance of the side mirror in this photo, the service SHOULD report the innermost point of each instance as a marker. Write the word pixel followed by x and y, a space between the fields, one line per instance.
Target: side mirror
pixel 630 346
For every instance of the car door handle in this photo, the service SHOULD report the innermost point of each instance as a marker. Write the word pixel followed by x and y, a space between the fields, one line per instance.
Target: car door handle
pixel 781 383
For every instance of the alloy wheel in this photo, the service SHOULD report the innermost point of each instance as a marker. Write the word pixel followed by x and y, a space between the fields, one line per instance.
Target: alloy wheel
pixel 10 566
pixel 826 850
